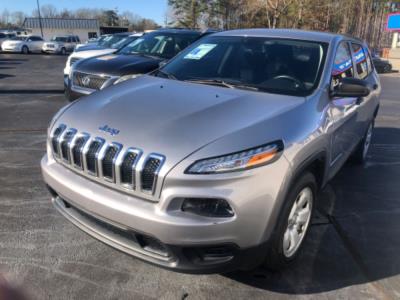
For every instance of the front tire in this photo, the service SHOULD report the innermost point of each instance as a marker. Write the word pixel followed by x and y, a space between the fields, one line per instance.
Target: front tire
pixel 360 155
pixel 293 224
pixel 63 51
pixel 25 50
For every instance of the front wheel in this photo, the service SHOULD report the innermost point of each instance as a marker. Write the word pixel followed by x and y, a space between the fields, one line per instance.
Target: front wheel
pixel 360 155
pixel 63 51
pixel 25 50
pixel 293 224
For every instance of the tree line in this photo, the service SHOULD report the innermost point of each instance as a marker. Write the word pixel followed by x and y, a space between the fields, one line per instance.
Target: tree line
pixel 361 18
pixel 106 17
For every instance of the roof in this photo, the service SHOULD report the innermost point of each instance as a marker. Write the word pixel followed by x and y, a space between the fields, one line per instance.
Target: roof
pixel 61 23
pixel 176 30
pixel 284 33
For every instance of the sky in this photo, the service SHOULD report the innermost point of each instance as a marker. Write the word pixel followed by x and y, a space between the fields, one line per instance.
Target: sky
pixel 151 9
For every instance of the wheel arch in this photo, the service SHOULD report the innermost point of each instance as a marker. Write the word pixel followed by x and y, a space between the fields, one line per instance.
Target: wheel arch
pixel 317 164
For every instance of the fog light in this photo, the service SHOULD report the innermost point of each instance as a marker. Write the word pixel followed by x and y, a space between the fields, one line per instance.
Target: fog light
pixel 208 207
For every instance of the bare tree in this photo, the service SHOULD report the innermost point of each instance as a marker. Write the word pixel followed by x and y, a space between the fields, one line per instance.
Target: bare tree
pixel 48 11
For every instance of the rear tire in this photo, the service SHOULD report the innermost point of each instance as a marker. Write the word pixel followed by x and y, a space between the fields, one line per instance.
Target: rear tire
pixel 360 154
pixel 25 50
pixel 293 223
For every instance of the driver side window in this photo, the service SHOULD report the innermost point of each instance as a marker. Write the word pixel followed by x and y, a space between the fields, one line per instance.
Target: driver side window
pixel 343 65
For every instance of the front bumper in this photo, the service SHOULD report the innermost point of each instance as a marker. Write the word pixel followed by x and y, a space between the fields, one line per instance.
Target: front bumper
pixel 11 48
pixel 190 242
pixel 51 50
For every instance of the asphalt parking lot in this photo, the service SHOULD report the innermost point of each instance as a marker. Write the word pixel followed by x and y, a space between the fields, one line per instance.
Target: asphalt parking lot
pixel 353 250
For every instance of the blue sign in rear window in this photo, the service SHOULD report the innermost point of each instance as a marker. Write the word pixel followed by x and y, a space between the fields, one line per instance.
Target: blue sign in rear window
pixel 393 22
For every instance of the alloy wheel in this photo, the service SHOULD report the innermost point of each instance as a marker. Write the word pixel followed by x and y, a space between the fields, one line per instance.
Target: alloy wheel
pixel 298 222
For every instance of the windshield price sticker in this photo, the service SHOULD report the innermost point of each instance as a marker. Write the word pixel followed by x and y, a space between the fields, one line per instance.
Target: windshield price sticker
pixel 200 51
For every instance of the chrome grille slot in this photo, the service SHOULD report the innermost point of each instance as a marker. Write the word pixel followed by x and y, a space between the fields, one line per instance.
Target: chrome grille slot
pixel 55 139
pixel 128 168
pixel 108 161
pixel 77 149
pixel 150 171
pixel 91 156
pixel 65 142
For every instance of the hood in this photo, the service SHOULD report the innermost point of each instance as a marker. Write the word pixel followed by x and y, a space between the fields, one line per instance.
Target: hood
pixel 170 117
pixel 92 53
pixel 89 47
pixel 119 65
pixel 12 42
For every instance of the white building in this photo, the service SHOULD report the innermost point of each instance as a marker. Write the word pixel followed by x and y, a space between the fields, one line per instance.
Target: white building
pixel 84 28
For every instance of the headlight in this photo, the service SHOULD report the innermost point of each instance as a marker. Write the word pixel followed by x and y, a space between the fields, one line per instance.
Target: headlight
pixel 126 77
pixel 238 161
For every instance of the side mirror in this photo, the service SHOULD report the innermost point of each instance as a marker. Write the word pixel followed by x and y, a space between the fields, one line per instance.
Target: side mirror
pixel 351 87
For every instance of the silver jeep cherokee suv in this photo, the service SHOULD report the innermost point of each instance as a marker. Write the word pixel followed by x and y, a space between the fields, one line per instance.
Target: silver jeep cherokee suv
pixel 213 162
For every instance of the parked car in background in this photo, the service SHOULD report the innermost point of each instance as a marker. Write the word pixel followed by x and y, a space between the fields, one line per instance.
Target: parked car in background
pixel 139 57
pixel 4 36
pixel 61 44
pixel 23 43
pixel 109 45
pixel 214 161
pixel 92 41
pixel 107 41
pixel 382 65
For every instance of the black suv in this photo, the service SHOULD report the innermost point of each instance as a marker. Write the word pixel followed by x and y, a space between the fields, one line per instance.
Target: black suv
pixel 139 57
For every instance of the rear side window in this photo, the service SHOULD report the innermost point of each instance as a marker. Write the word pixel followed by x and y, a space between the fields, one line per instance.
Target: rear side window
pixel 360 59
pixel 343 66
pixel 370 65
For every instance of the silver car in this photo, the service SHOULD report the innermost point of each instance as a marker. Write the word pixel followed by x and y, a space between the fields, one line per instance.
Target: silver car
pixel 61 44
pixel 213 162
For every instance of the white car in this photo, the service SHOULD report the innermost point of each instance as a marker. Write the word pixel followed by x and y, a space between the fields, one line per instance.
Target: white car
pixel 23 44
pixel 110 45
pixel 4 36
pixel 61 44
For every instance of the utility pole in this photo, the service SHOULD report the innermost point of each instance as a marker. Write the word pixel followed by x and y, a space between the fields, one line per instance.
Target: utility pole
pixel 40 19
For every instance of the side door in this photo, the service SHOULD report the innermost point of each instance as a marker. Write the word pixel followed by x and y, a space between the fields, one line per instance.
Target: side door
pixel 343 110
pixel 32 43
pixel 364 70
pixel 38 43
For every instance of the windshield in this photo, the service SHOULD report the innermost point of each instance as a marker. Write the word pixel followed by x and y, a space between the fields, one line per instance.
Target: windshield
pixel 113 41
pixel 164 45
pixel 283 66
pixel 59 39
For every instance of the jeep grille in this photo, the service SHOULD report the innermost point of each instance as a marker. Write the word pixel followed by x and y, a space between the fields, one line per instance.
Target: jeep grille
pixel 96 158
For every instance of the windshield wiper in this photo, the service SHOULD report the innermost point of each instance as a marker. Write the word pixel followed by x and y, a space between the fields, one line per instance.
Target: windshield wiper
pixel 220 82
pixel 167 75
pixel 217 82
